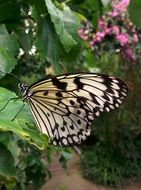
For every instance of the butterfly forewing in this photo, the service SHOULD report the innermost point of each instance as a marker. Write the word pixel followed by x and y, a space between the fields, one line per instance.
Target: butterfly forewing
pixel 65 106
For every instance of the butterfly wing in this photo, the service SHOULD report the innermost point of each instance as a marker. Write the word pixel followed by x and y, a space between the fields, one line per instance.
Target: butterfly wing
pixel 65 106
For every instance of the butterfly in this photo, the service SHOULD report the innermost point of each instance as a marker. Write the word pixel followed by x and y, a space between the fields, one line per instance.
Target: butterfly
pixel 65 106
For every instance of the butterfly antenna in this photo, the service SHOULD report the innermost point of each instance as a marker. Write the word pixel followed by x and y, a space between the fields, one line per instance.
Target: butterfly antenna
pixel 11 74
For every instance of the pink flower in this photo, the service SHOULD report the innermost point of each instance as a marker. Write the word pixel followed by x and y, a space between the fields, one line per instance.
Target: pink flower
pixel 113 13
pixel 113 27
pixel 119 7
pixel 98 37
pixel 113 30
pixel 83 34
pixel 122 38
pixel 91 44
pixel 129 54
pixel 102 25
pixel 100 34
pixel 108 31
pixel 135 38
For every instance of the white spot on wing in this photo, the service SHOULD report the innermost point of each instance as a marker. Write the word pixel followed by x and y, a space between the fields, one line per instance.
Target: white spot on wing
pixel 117 105
pixel 93 90
pixel 70 140
pixel 107 109
pixel 97 113
pixel 115 86
pixel 75 138
pixel 114 80
pixel 64 141
pixel 111 106
pixel 94 84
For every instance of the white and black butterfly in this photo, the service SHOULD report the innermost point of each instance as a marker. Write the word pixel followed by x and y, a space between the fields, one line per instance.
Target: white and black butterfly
pixel 65 106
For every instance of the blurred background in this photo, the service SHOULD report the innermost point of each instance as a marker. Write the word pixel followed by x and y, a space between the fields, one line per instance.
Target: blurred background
pixel 39 39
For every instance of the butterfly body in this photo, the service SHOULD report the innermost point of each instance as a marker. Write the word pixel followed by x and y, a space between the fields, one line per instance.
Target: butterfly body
pixel 65 106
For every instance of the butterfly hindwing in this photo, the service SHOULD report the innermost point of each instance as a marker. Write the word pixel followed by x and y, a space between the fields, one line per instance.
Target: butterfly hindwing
pixel 65 106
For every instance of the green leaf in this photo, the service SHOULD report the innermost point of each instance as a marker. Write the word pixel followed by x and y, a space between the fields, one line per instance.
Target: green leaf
pixel 65 23
pixel 25 39
pixel 19 124
pixel 9 13
pixel 7 61
pixel 66 154
pixel 7 167
pixel 135 11
pixel 40 6
pixel 49 45
pixel 8 49
pixel 47 41
pixel 8 41
pixel 10 142
pixel 105 2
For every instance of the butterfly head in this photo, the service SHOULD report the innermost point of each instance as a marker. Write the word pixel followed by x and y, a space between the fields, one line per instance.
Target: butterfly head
pixel 24 90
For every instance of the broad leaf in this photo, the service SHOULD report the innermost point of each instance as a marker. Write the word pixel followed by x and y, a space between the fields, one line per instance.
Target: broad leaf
pixel 135 12
pixel 10 141
pixel 10 13
pixel 49 45
pixel 8 50
pixel 65 23
pixel 19 124
pixel 7 167
pixel 47 41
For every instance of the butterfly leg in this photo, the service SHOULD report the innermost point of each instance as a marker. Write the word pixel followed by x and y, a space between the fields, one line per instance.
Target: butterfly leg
pixel 18 112
pixel 8 103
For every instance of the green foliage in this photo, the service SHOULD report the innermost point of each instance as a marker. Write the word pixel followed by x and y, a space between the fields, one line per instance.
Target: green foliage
pixel 134 11
pixel 90 9
pixel 109 166
pixel 65 155
pixel 8 49
pixel 65 23
pixel 10 13
pixel 22 164
pixel 62 187
pixel 59 48
pixel 57 26
pixel 116 156
pixel 35 167
pixel 18 125
pixel 50 29
pixel 6 162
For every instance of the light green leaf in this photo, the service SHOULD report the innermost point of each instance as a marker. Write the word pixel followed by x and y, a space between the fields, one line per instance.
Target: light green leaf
pixel 135 11
pixel 105 2
pixel 7 61
pixel 7 167
pixel 8 49
pixel 65 23
pixel 47 41
pixel 10 141
pixel 66 154
pixel 18 125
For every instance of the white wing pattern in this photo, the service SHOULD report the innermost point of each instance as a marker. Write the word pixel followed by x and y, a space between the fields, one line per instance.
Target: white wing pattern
pixel 64 107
